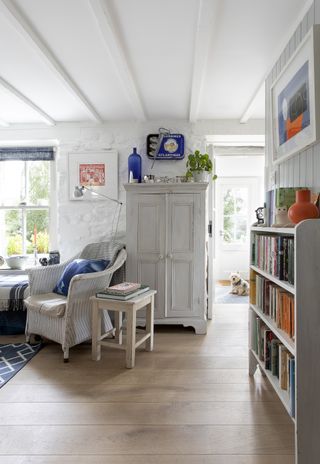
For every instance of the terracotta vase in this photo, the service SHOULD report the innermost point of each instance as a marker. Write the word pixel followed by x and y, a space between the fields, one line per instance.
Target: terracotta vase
pixel 303 208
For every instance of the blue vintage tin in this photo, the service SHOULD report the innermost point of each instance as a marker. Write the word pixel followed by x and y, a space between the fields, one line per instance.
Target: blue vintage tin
pixel 171 146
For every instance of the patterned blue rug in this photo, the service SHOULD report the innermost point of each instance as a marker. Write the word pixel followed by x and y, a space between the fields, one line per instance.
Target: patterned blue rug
pixel 13 357
pixel 223 296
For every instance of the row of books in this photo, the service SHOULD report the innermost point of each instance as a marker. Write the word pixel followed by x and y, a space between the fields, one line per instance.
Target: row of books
pixel 276 358
pixel 274 254
pixel 124 291
pixel 276 303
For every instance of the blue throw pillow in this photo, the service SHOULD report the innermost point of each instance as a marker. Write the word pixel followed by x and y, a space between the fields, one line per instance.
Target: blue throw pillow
pixel 78 266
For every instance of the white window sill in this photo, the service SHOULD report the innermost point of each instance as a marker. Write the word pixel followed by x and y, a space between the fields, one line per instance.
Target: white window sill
pixel 7 270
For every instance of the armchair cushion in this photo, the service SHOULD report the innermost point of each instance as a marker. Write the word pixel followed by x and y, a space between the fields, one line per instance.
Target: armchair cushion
pixel 51 304
pixel 76 267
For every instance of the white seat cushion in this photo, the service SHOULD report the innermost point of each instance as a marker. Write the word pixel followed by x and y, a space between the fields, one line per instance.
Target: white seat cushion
pixel 51 304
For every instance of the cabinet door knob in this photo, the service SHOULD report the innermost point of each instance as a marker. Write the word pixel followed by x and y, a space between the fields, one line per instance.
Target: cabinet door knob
pixel 169 255
pixel 161 257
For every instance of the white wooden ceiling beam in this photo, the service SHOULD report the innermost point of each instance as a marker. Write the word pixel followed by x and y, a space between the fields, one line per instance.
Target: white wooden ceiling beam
pixel 249 109
pixel 22 25
pixel 20 96
pixel 208 14
pixel 4 123
pixel 105 22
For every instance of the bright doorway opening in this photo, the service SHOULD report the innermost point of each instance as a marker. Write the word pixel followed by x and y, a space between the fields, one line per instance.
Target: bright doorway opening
pixel 239 191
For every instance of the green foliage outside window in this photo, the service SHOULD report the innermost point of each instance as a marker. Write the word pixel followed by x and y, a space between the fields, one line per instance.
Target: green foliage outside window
pixel 234 225
pixel 38 194
pixel 38 182
pixel 14 246
pixel 42 243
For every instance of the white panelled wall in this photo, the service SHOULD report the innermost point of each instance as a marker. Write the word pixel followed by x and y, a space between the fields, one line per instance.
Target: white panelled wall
pixel 303 169
pixel 79 223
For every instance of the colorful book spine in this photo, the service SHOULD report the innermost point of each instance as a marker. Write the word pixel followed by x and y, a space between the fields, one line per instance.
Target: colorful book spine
pixel 292 389
pixel 275 255
pixel 276 303
pixel 276 359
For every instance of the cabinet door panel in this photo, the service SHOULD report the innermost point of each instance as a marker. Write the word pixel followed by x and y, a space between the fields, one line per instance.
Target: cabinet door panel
pixel 183 212
pixel 146 244
pixel 151 272
pixel 182 227
pixel 148 226
pixel 182 272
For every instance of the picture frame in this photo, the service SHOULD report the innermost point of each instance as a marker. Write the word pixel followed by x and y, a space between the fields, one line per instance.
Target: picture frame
pixel 97 170
pixel 295 100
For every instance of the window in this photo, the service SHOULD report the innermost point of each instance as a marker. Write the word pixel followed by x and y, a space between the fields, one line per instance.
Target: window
pixel 235 215
pixel 24 205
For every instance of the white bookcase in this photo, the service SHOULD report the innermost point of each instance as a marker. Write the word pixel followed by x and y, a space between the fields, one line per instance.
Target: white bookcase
pixel 305 346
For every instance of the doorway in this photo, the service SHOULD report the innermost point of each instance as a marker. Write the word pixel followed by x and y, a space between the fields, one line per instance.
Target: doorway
pixel 239 192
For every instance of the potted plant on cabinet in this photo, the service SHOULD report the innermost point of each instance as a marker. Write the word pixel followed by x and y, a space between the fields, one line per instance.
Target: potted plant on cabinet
pixel 199 166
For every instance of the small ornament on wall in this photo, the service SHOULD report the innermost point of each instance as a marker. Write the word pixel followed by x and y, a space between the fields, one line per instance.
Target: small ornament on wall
pixel 165 146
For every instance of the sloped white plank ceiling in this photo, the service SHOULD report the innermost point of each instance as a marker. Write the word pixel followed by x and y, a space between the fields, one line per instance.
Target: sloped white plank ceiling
pixel 112 60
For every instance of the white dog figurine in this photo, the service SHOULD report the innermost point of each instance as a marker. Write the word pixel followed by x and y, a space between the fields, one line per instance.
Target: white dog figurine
pixel 239 286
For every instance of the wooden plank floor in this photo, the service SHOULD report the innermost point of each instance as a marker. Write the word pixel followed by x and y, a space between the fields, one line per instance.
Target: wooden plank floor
pixel 189 402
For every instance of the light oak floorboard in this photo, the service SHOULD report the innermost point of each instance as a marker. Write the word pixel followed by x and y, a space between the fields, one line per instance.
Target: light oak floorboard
pixel 142 439
pixel 179 413
pixel 63 375
pixel 98 393
pixel 112 359
pixel 147 459
pixel 190 401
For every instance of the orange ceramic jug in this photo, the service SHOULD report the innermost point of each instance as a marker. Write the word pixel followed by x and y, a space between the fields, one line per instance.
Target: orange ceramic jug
pixel 303 208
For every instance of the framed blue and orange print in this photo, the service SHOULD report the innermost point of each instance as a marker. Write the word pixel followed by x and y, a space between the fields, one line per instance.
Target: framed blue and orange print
pixel 295 100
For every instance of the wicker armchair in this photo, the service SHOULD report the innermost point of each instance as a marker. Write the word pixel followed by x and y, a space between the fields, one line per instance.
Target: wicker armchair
pixel 67 320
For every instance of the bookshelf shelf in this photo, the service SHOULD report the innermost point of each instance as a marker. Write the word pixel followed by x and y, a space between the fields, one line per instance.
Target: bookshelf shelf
pixel 275 230
pixel 299 357
pixel 283 395
pixel 283 336
pixel 281 283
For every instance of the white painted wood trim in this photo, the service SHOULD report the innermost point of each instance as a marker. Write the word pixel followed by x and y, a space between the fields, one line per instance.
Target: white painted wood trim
pixel 306 347
pixel 275 230
pixel 199 324
pixel 105 22
pixel 282 283
pixel 185 187
pixel 4 123
pixel 249 109
pixel 24 28
pixel 208 16
pixel 21 97
pixel 307 267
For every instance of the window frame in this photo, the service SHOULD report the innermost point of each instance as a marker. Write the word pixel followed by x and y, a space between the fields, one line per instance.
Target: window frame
pixel 51 207
pixel 234 244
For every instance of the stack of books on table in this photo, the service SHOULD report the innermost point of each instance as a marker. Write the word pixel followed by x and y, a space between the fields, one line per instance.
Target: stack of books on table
pixel 124 291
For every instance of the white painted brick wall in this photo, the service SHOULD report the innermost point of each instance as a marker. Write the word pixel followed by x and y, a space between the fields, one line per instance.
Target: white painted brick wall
pixel 79 223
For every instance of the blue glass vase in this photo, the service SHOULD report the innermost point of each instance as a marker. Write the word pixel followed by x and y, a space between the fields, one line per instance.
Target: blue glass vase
pixel 134 166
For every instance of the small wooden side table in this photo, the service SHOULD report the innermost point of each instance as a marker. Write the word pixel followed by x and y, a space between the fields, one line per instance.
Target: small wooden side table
pixel 130 308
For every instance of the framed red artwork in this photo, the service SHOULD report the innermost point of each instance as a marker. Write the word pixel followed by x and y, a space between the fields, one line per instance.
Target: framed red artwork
pixel 95 170
pixel 93 175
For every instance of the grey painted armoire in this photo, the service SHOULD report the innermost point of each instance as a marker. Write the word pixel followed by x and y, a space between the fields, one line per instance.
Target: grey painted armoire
pixel 166 245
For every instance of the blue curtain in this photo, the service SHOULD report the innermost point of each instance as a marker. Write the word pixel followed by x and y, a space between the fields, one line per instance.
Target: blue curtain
pixel 27 153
